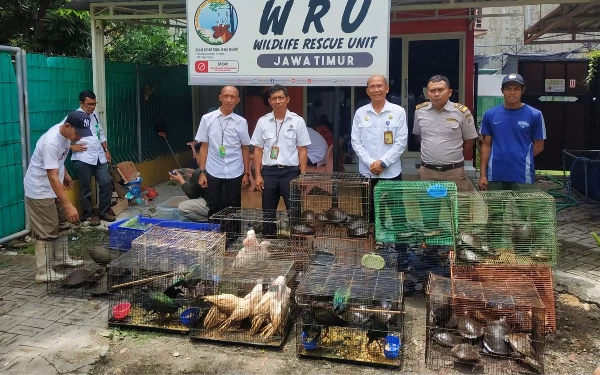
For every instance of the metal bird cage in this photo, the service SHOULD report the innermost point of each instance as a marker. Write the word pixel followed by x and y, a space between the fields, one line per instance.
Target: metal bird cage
pixel 351 313
pixel 250 303
pixel 154 285
pixel 415 212
pixel 493 327
pixel 510 227
pixel 76 264
pixel 330 204
pixel 539 275
pixel 238 221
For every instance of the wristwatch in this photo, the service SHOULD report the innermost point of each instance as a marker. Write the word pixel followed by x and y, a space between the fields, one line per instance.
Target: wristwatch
pixel 201 171
pixel 383 165
pixel 105 150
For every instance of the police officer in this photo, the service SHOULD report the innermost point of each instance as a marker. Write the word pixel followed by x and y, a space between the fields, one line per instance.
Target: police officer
pixel 445 129
pixel 379 136
pixel 279 139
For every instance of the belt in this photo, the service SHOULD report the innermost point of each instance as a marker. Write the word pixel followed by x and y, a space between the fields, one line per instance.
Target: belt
pixel 279 166
pixel 443 168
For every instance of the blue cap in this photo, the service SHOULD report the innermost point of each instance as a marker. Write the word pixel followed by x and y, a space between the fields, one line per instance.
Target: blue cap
pixel 81 122
pixel 513 77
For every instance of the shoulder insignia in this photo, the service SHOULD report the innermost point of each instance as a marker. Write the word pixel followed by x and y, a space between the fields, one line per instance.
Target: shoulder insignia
pixel 460 107
pixel 424 104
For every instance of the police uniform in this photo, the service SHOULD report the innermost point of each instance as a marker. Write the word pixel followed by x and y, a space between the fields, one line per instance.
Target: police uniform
pixel 442 136
pixel 280 163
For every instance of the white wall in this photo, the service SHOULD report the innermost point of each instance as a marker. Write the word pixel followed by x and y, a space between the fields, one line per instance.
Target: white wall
pixel 489 85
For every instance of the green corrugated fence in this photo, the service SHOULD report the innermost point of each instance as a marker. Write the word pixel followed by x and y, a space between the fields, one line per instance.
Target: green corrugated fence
pixel 12 205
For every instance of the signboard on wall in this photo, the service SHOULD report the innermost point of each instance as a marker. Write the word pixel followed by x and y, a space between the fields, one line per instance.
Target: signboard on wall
pixel 290 42
pixel 554 85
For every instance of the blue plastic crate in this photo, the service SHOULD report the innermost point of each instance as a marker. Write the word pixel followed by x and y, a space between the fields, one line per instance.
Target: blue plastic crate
pixel 120 238
pixel 190 225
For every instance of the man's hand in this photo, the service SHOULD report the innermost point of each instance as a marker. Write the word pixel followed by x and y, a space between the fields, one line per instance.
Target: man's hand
pixel 245 180
pixel 175 176
pixel 68 182
pixel 483 182
pixel 108 156
pixel 260 183
pixel 71 213
pixel 203 181
pixel 79 148
pixel 376 168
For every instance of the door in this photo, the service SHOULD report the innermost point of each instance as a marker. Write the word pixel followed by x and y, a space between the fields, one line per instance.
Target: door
pixel 423 59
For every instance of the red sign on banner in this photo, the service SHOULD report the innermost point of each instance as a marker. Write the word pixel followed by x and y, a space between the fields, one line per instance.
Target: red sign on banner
pixel 572 83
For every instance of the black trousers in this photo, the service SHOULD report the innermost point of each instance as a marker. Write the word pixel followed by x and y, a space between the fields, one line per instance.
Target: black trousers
pixel 84 174
pixel 277 184
pixel 222 193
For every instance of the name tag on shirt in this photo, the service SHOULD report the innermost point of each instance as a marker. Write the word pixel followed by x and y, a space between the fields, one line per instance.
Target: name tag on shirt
pixel 221 151
pixel 274 152
pixel 388 137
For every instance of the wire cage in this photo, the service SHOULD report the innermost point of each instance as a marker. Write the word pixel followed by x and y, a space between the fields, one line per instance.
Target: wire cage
pixel 416 261
pixel 493 327
pixel 154 284
pixel 76 264
pixel 410 212
pixel 539 275
pixel 250 303
pixel 330 204
pixel 351 313
pixel 265 223
pixel 510 227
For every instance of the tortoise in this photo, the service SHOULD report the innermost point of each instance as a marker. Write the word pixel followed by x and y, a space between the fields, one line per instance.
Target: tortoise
pixel 468 328
pixel 465 352
pixel 447 339
pixel 303 229
pixel 336 215
pixel 493 337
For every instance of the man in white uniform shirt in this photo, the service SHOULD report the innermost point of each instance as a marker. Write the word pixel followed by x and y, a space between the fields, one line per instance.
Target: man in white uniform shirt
pixel 280 139
pixel 91 158
pixel 379 136
pixel 224 157
pixel 45 184
pixel 317 149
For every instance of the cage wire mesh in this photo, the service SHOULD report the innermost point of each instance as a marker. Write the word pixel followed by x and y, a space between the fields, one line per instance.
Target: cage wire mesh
pixel 351 313
pixel 250 303
pixel 265 223
pixel 493 327
pixel 330 204
pixel 410 212
pixel 76 263
pixel 510 227
pixel 539 275
pixel 155 284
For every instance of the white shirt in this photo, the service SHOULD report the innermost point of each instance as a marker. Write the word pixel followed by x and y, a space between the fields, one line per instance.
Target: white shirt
pixel 368 130
pixel 95 151
pixel 317 150
pixel 288 136
pixel 230 131
pixel 50 152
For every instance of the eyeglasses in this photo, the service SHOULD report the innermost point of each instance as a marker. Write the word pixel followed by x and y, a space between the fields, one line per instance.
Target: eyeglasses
pixel 91 104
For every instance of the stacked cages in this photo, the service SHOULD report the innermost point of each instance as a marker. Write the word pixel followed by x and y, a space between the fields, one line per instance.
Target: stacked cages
pixel 492 328
pixel 417 221
pixel 76 263
pixel 251 302
pixel 236 221
pixel 330 204
pixel 351 312
pixel 155 284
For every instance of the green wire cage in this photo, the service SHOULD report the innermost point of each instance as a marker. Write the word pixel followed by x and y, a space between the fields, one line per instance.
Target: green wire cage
pixel 409 212
pixel 509 227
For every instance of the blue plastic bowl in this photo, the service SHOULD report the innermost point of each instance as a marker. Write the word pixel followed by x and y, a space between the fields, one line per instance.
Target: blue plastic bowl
pixel 391 348
pixel 437 191
pixel 308 345
pixel 189 316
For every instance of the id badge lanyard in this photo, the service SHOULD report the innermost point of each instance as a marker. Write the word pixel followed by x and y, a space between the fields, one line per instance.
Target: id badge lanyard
pixel 388 135
pixel 222 146
pixel 275 147
pixel 97 127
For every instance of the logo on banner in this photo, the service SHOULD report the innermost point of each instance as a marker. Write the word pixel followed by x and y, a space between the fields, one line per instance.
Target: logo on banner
pixel 201 66
pixel 216 22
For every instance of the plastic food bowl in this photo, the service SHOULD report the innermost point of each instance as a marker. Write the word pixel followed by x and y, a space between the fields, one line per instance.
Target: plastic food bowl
pixel 437 191
pixel 308 345
pixel 189 316
pixel 121 310
pixel 391 348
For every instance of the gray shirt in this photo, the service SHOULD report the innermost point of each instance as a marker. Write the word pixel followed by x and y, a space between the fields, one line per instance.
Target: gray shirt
pixel 443 132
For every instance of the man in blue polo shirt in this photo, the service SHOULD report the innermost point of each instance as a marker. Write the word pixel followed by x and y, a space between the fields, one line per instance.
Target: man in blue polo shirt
pixel 513 134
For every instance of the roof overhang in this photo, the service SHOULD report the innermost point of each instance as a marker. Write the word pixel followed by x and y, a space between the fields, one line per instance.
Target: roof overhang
pixel 176 9
pixel 568 23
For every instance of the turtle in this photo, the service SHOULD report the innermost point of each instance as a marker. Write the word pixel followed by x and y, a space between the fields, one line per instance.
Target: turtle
pixel 336 215
pixel 466 240
pixel 465 352
pixel 358 224
pixel 523 232
pixel 468 328
pixel 303 229
pixel 77 277
pixel 521 344
pixel 321 217
pixel 100 255
pixel 447 339
pixel 358 232
pixel 493 337
pixel 308 216
pixel 467 255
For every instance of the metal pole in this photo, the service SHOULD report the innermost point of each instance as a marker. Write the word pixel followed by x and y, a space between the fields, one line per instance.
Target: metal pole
pixel 336 130
pixel 138 97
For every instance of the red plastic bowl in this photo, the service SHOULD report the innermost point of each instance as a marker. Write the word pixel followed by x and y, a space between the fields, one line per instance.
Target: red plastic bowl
pixel 121 310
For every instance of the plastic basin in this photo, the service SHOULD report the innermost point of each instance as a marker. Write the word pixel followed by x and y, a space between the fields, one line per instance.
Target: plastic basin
pixel 391 347
pixel 121 310
pixel 189 316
